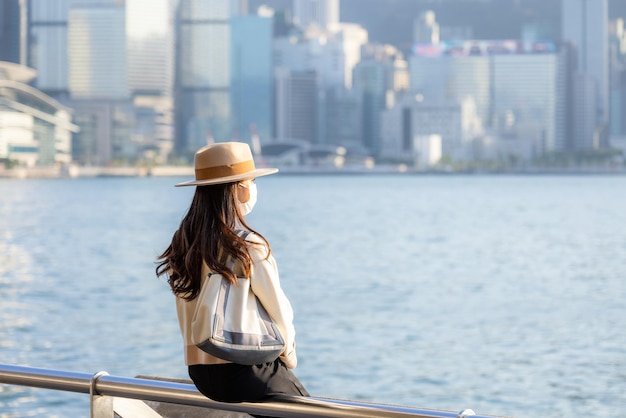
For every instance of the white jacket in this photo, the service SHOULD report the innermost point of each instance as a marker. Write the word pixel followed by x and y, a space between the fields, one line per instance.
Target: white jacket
pixel 265 284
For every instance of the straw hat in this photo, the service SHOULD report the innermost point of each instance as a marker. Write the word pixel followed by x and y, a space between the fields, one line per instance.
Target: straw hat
pixel 225 162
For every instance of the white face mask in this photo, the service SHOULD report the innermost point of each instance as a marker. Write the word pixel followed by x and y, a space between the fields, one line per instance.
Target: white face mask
pixel 246 208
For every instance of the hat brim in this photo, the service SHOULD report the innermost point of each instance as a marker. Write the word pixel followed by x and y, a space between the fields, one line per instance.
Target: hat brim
pixel 259 172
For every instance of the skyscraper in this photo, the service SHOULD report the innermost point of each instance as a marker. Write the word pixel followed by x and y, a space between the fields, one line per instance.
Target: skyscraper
pixel 525 95
pixel 426 28
pixel 333 54
pixel 340 119
pixel 10 30
pixel 150 46
pixel 251 84
pixel 617 65
pixel 515 85
pixel 202 81
pixel 98 82
pixel 97 49
pixel 321 13
pixel 439 75
pixel 377 78
pixel 296 105
pixel 585 26
pixel 48 45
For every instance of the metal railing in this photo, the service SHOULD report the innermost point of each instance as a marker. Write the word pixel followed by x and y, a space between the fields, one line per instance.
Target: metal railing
pixel 103 388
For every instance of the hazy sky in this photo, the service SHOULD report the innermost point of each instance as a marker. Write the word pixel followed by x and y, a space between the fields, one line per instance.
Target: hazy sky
pixel 150 17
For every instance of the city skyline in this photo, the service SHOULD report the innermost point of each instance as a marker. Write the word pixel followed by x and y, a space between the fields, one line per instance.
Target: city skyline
pixel 158 82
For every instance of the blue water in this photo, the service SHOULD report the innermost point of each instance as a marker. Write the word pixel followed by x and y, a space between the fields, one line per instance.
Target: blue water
pixel 501 294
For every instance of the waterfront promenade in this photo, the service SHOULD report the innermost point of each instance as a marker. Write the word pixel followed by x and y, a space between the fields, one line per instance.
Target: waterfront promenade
pixel 78 172
pixel 187 171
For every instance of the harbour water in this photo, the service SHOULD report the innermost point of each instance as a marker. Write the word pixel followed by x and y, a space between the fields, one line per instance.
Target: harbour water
pixel 504 294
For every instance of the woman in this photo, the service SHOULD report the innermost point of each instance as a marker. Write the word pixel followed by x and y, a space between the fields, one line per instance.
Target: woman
pixel 225 193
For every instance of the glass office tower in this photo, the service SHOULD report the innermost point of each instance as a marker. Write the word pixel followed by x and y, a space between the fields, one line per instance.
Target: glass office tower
pixel 48 45
pixel 150 46
pixel 585 26
pixel 97 50
pixel 252 75
pixel 202 83
pixel 525 88
pixel 440 77
pixel 10 31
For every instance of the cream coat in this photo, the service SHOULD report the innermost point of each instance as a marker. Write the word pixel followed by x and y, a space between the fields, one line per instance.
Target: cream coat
pixel 265 284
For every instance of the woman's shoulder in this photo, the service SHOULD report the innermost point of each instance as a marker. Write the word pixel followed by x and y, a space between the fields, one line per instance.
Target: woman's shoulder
pixel 259 245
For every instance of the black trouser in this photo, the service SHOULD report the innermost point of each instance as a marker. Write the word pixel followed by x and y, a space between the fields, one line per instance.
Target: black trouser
pixel 232 382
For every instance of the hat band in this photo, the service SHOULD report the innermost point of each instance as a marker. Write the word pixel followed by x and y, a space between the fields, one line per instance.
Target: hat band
pixel 210 173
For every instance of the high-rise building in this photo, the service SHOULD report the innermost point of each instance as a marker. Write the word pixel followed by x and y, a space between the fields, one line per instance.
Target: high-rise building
pixel 251 78
pixel 451 72
pixel 426 28
pixel 515 86
pixel 320 13
pixel 332 53
pixel 296 105
pixel 416 132
pixel 98 82
pixel 48 45
pixel 150 45
pixel 617 85
pixel 525 98
pixel 97 49
pixel 340 119
pixel 10 30
pixel 202 75
pixel 379 75
pixel 324 58
pixel 347 39
pixel 79 48
pixel 371 82
pixel 585 26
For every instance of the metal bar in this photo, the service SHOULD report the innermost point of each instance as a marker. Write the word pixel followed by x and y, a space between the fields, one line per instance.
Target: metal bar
pixel 100 406
pixel 45 378
pixel 186 394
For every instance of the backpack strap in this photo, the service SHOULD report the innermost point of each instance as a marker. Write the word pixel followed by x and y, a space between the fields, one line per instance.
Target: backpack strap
pixel 242 233
pixel 230 261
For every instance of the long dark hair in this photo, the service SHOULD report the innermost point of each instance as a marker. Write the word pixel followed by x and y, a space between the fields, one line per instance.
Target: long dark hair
pixel 206 233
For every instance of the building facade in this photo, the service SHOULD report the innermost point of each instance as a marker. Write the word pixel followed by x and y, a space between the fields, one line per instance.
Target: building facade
pixel 340 119
pixel 517 87
pixel 333 53
pixel 10 30
pixel 585 26
pixel 150 46
pixel 296 105
pixel 97 50
pixel 251 78
pixel 426 28
pixel 203 74
pixel 48 45
pixel 379 75
pixel 35 129
pixel 449 71
pixel 617 85
pixel 526 100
